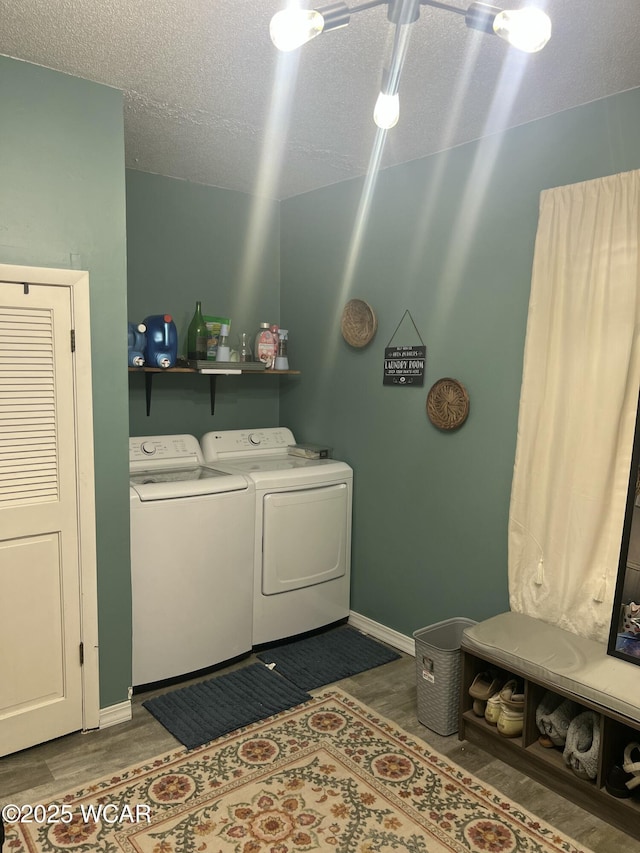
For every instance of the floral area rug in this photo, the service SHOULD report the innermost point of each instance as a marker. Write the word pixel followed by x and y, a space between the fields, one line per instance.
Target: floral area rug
pixel 329 775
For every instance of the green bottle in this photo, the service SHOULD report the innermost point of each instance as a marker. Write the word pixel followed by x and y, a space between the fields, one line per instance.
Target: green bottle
pixel 197 336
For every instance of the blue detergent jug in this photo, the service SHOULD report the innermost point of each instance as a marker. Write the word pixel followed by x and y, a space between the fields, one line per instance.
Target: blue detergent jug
pixel 162 341
pixel 137 341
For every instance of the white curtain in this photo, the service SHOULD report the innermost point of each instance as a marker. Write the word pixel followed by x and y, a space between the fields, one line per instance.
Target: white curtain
pixel 578 405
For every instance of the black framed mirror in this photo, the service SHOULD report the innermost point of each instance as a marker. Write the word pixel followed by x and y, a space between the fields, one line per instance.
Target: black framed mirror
pixel 624 634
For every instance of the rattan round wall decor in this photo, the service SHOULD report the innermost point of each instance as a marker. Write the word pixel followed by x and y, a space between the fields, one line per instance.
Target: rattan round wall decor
pixel 447 404
pixel 359 323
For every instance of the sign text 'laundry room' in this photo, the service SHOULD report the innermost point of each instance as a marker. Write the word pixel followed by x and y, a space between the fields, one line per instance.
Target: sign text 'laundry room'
pixel 404 365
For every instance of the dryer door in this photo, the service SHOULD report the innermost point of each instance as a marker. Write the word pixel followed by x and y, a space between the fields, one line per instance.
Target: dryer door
pixel 306 535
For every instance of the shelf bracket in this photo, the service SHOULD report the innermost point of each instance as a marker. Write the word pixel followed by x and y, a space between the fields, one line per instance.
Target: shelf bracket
pixel 148 387
pixel 212 391
pixel 148 381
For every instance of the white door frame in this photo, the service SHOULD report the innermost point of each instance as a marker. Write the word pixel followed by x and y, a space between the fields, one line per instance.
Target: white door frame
pixel 78 283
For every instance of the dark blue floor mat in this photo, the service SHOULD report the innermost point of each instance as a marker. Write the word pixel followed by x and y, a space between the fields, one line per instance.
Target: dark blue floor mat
pixel 206 710
pixel 324 658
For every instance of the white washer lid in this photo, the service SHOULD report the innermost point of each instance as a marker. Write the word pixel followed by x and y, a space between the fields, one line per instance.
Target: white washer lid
pixel 158 484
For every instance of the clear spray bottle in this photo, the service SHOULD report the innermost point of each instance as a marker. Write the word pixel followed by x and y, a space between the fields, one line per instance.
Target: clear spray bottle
pixel 282 359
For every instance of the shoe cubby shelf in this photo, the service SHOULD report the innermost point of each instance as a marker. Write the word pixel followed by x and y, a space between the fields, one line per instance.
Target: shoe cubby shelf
pixel 546 764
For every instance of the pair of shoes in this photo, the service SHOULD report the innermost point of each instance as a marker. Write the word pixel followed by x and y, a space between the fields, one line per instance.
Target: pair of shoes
pixel 582 745
pixel 631 765
pixel 485 685
pixel 553 716
pixel 506 709
pixel 511 718
pixel 507 698
pixel 616 783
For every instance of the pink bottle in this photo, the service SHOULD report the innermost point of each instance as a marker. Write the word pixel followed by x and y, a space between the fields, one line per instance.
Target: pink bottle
pixel 266 346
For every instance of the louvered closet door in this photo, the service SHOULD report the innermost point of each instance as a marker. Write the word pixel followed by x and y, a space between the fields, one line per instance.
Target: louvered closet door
pixel 40 671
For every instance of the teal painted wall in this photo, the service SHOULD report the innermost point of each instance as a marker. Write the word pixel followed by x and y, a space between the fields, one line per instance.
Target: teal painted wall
pixel 450 238
pixel 188 242
pixel 62 204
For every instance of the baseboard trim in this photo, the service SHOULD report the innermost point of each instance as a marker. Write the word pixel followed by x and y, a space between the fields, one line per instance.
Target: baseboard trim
pixel 381 632
pixel 121 712
pixel 115 714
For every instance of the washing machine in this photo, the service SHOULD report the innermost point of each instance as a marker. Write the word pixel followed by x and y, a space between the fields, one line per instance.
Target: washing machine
pixel 192 558
pixel 302 541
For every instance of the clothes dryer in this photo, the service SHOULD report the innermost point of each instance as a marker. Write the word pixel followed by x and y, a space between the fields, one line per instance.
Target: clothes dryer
pixel 191 559
pixel 302 539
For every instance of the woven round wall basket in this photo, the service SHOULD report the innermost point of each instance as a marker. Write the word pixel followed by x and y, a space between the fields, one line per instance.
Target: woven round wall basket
pixel 447 404
pixel 359 323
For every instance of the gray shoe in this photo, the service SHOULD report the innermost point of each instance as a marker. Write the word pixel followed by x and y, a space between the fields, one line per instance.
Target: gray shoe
pixel 583 745
pixel 553 716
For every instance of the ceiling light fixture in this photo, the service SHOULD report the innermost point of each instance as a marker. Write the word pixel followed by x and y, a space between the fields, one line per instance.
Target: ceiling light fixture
pixel 527 29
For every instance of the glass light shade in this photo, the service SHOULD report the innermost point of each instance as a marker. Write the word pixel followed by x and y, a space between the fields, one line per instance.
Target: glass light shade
pixel 291 28
pixel 387 111
pixel 526 29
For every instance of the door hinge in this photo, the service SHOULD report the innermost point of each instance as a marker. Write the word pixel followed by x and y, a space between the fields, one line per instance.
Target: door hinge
pixel 73 340
pixel 81 654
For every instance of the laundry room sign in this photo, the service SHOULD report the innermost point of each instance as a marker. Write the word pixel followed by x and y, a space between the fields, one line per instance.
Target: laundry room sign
pixel 404 365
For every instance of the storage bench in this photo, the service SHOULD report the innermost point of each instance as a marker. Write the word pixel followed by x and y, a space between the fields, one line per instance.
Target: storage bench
pixel 548 658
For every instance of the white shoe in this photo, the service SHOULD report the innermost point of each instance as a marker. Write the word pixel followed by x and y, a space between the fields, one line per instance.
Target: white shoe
pixel 492 711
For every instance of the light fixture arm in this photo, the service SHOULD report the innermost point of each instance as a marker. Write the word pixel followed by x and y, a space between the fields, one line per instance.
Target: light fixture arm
pixel 336 15
pixel 481 16
pixel 368 5
pixel 446 6
pixel 403 11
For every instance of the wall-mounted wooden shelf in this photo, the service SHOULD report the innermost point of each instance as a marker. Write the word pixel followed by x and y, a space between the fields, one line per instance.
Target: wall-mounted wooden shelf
pixel 149 373
pixel 192 370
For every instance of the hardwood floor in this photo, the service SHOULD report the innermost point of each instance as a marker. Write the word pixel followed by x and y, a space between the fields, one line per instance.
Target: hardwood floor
pixel 44 772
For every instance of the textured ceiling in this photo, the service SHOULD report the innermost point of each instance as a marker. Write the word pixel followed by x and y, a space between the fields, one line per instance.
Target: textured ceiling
pixel 209 99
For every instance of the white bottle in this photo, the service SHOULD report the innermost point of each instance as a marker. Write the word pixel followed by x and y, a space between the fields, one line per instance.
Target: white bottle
pixel 223 353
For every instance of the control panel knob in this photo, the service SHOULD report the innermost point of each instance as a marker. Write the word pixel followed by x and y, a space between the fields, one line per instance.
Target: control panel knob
pixel 254 439
pixel 148 448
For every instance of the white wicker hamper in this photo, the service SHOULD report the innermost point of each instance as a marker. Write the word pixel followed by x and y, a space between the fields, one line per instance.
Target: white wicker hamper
pixel 437 649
